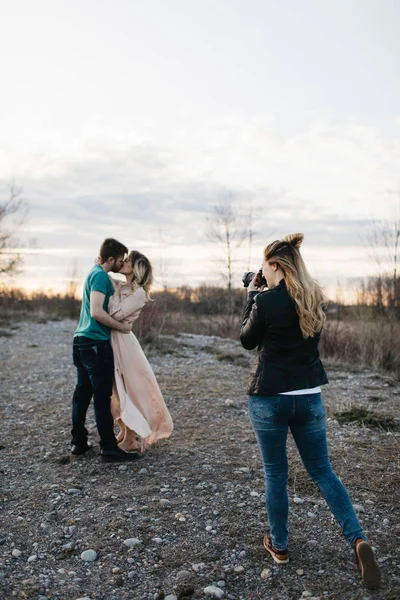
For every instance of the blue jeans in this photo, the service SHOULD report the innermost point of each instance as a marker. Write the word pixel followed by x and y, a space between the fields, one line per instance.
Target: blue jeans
pixel 94 361
pixel 271 417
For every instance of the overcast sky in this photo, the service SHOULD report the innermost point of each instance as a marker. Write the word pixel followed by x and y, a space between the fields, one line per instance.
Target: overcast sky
pixel 132 119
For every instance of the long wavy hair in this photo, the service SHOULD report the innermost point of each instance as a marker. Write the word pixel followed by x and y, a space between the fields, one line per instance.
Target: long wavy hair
pixel 306 293
pixel 142 272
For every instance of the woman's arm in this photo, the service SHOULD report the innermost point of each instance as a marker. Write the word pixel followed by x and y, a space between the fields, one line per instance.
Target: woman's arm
pixel 121 308
pixel 97 312
pixel 252 329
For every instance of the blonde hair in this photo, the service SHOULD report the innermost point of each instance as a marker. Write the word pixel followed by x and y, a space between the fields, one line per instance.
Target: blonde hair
pixel 142 272
pixel 302 288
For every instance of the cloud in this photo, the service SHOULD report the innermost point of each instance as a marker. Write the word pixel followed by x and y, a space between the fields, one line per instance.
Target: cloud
pixel 329 181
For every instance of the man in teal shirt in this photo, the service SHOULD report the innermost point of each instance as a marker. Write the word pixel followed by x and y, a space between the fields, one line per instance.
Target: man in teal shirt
pixel 93 356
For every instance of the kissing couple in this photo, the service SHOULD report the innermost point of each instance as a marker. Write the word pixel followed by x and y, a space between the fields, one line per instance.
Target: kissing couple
pixel 111 365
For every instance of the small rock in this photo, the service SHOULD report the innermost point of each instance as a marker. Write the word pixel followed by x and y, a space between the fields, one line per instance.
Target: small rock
pixel 122 468
pixel 131 574
pixel 132 542
pixel 208 528
pixel 300 572
pixel 298 500
pixel 115 570
pixel 266 573
pixel 358 508
pixel 239 569
pixel 143 471
pixel 213 590
pixel 254 494
pixel 221 583
pixel 68 546
pixel 165 502
pixel 386 522
pixel 310 514
pixel 32 558
pixel 197 567
pixel 171 597
pixel 89 555
pixel 74 491
pixel 157 540
pixel 16 553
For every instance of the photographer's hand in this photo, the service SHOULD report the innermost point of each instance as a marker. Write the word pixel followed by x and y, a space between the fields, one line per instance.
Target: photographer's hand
pixel 254 287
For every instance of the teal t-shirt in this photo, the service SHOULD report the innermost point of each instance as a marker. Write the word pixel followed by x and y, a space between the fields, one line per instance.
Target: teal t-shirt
pixel 96 281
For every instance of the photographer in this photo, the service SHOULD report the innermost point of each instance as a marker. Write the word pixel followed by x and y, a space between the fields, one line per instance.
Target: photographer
pixel 285 323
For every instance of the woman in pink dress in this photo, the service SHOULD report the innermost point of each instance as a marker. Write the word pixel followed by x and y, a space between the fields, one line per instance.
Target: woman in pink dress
pixel 137 404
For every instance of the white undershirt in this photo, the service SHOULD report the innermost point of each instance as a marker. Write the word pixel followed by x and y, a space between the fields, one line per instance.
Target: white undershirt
pixel 316 390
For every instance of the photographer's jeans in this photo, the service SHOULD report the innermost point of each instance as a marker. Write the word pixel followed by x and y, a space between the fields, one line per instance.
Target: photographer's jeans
pixel 271 417
pixel 94 361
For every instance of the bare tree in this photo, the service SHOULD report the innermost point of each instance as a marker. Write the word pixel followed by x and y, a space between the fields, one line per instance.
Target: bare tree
pixel 384 247
pixel 13 212
pixel 226 230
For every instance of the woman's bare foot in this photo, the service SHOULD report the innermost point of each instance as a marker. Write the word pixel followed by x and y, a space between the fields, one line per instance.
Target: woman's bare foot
pixel 128 447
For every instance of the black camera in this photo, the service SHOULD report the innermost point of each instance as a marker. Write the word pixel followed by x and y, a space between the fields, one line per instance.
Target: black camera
pixel 249 275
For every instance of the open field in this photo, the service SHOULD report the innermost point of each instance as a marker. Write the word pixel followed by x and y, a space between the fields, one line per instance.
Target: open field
pixel 209 471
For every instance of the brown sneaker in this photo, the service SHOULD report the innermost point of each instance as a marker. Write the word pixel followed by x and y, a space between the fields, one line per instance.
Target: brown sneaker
pixel 366 562
pixel 280 556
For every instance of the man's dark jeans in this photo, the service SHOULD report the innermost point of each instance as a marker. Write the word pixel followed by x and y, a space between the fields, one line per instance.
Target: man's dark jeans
pixel 94 361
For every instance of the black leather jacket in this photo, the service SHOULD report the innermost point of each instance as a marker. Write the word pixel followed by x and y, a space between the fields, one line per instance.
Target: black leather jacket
pixel 285 360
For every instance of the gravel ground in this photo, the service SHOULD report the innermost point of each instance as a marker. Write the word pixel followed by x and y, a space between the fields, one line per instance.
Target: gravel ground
pixel 187 520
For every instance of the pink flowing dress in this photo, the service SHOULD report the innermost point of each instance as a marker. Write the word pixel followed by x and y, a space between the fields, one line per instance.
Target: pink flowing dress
pixel 137 399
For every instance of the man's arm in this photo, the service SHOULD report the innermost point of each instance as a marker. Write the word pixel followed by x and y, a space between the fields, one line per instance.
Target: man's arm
pixel 97 312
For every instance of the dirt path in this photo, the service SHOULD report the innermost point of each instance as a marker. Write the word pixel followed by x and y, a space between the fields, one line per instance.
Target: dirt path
pixel 209 472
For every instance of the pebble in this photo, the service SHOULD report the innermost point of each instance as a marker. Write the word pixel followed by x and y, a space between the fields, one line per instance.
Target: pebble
pixel 89 555
pixel 310 514
pixel 266 573
pixel 132 542
pixel 208 528
pixel 171 597
pixel 85 598
pixel 68 546
pixel 221 583
pixel 254 494
pixel 131 574
pixel 122 468
pixel 180 517
pixel 32 558
pixel 16 553
pixel 164 502
pixel 199 567
pixel 157 540
pixel 143 471
pixel 239 569
pixel 74 491
pixel 300 572
pixel 358 508
pixel 213 590
pixel 298 500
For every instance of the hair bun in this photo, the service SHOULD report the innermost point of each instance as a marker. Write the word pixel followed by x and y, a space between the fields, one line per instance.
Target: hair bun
pixel 294 239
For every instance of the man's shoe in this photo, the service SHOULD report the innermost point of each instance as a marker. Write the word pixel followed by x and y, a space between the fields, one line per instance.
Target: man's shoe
pixel 280 556
pixel 77 449
pixel 118 455
pixel 366 562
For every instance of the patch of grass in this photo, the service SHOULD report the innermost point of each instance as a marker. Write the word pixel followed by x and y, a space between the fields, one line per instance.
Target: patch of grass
pixel 210 349
pixel 367 418
pixel 236 359
pixel 376 399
